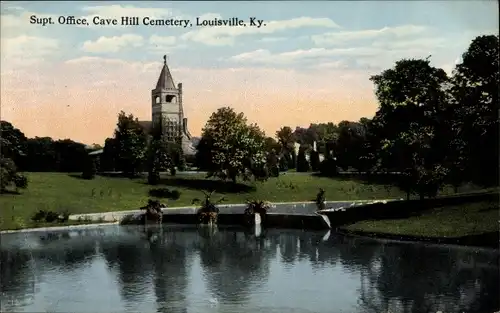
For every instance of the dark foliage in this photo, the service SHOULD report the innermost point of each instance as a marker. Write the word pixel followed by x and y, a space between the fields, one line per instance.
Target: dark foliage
pixel 314 158
pixel 90 169
pixel 302 163
pixel 208 211
pixel 153 211
pixel 320 199
pixel 165 193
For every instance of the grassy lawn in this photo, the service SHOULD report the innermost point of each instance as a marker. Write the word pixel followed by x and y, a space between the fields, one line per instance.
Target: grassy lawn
pixel 61 191
pixel 448 221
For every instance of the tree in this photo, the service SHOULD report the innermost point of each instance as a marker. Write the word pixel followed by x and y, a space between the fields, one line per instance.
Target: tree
pixel 349 144
pixel 109 155
pixel 9 175
pixel 286 138
pixel 314 158
pixel 272 164
pixel 131 143
pixel 271 145
pixel 232 148
pixel 410 95
pixel 90 168
pixel 12 142
pixel 302 164
pixel 473 114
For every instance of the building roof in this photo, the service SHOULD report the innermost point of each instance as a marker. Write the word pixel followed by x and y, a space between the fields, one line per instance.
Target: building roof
pixel 165 81
pixel 100 151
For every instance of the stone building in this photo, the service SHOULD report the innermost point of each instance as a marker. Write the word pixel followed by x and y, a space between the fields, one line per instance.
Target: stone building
pixel 167 108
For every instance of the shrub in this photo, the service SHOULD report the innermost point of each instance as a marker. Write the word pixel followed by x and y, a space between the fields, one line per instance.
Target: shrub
pixel 165 193
pixel 272 164
pixel 153 211
pixel 89 169
pixel 302 164
pixel 208 211
pixel 50 216
pixel 320 199
pixel 9 175
pixel 153 177
pixel 283 164
pixel 328 167
pixel 181 166
pixel 314 157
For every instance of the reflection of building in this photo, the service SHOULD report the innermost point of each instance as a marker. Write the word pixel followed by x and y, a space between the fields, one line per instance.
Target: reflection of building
pixel 167 109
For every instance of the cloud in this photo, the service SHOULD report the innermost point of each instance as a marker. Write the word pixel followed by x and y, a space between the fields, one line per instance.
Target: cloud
pixel 341 37
pixel 112 44
pixel 26 50
pixel 265 56
pixel 371 56
pixel 273 39
pixel 339 64
pixel 163 43
pixel 225 36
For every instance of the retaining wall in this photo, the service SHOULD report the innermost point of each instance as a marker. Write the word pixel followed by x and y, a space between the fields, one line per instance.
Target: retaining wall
pixel 398 209
pixel 282 215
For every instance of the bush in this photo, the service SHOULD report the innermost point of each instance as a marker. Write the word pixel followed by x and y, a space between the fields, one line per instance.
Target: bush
pixel 272 165
pixel 314 157
pixel 328 167
pixel 165 193
pixel 50 216
pixel 89 169
pixel 283 164
pixel 153 177
pixel 21 181
pixel 9 175
pixel 302 164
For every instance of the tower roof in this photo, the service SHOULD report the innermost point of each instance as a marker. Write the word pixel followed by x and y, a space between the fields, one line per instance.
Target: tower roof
pixel 165 81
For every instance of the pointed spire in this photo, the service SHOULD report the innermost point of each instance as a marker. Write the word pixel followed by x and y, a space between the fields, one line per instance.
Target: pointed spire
pixel 165 81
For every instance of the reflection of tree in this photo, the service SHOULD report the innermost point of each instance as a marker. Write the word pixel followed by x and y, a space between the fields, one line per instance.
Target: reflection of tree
pixel 233 264
pixel 17 284
pixel 288 248
pixel 425 279
pixel 170 265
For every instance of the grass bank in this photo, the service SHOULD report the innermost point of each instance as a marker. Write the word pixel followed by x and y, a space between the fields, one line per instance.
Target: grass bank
pixel 452 221
pixel 61 191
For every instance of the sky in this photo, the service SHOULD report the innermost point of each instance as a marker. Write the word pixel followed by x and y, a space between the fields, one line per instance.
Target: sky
pixel 310 63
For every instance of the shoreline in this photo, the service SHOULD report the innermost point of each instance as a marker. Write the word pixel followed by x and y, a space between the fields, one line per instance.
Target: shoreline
pixel 485 240
pixel 51 228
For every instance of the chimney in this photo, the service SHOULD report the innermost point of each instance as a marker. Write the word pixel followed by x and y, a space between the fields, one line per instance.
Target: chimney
pixel 185 125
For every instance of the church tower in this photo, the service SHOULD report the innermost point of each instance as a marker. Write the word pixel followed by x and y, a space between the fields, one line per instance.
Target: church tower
pixel 168 110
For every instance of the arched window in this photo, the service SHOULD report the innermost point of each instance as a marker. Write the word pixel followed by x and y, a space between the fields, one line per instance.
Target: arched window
pixel 170 98
pixel 157 99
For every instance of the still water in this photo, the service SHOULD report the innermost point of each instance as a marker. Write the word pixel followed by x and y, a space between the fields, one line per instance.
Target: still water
pixel 189 270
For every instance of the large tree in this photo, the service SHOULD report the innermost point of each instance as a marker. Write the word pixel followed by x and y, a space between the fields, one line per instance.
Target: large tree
pixel 230 147
pixel 473 116
pixel 410 95
pixel 162 155
pixel 350 143
pixel 131 141
pixel 12 142
pixel 11 151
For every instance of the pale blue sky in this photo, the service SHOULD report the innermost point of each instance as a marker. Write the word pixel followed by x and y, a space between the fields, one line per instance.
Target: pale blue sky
pixel 446 29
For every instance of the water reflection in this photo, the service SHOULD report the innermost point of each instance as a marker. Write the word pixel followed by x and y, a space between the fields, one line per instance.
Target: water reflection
pixel 185 269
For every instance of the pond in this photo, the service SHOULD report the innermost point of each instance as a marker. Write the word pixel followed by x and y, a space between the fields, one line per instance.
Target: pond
pixel 190 270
